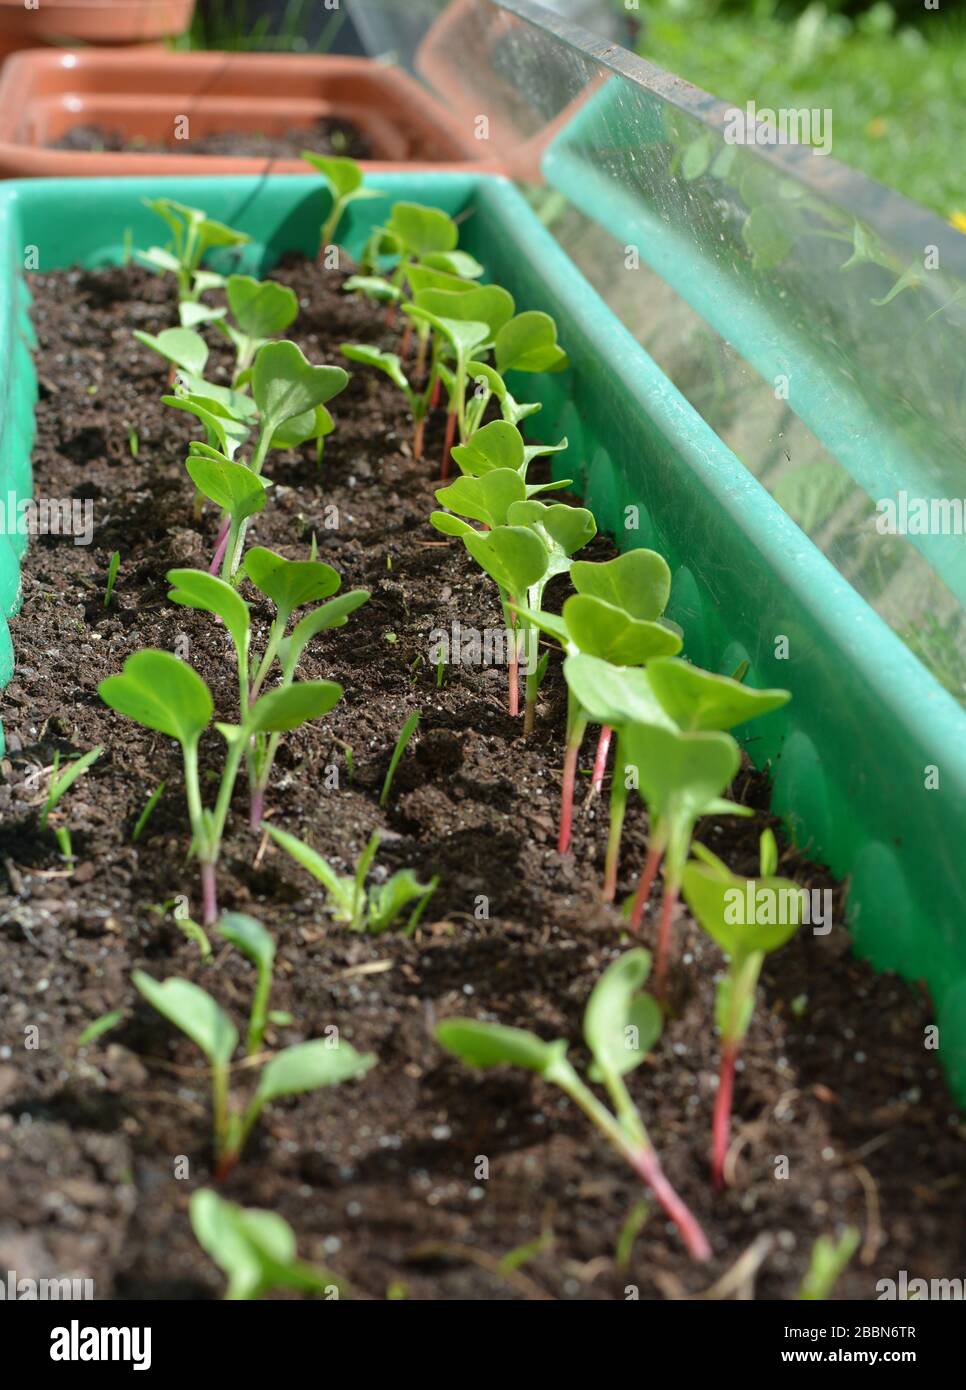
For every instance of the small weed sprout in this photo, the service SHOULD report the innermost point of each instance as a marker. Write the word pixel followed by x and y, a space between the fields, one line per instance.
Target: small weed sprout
pixel 621 1025
pixel 305 1066
pixel 112 569
pixel 405 734
pixel 60 784
pixel 829 1261
pixel 141 823
pixel 372 911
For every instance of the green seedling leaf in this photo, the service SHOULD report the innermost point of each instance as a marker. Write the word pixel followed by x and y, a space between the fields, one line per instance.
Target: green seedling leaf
pixel 738 913
pixel 613 695
pixel 308 1066
pixel 514 556
pixel 235 405
pixel 335 613
pixel 290 583
pixel 261 308
pixel 388 901
pixel 697 699
pixel 100 1026
pixel 231 486
pixel 290 706
pixel 484 498
pixel 198 589
pixel 604 631
pixel 487 304
pixel 375 287
pixel 341 888
pixel 112 569
pixel 249 937
pixel 828 1263
pixel 639 581
pixel 405 734
pixel 61 782
pixel 342 175
pixel 422 231
pixel 314 424
pixel 621 1024
pixel 145 815
pixel 255 1249
pixel 528 343
pixel 496 445
pixel 459 263
pixel 185 348
pixel 493 1045
pixel 450 525
pixel 462 335
pixel 284 383
pixel 562 529
pixel 223 431
pixel 424 277
pixel 192 315
pixel 161 692
pixel 193 1011
pixel 387 362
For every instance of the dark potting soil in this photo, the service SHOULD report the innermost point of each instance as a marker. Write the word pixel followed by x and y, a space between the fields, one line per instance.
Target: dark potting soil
pixel 841 1113
pixel 325 136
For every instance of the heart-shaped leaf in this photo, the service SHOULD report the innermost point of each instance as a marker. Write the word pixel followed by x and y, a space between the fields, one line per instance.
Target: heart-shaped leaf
pixel 486 498
pixel 310 1065
pixel 493 1045
pixel 422 230
pixel 193 1011
pixel 602 630
pixel 198 589
pixel 161 692
pixel 290 706
pixel 639 581
pixel 284 383
pixel 459 263
pixel 342 175
pixel 290 583
pixel 489 304
pixel 496 445
pixel 182 346
pixel 512 555
pixel 528 343
pixel 249 937
pixel 562 529
pixel 621 1025
pixel 613 695
pixel 261 308
pixel 697 699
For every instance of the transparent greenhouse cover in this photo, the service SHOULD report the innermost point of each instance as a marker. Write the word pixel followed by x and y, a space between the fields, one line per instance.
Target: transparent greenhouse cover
pixel 816 320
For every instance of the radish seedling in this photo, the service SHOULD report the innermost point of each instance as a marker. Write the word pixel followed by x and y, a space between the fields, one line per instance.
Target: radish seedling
pixel 697 699
pixel 305 1066
pixel 163 693
pixel 236 490
pixel 390 364
pixel 254 1249
pixel 602 630
pixel 500 445
pixel 194 235
pixel 681 777
pixel 182 348
pixel 621 1025
pixel 361 910
pixel 720 901
pixel 344 180
pixel 261 309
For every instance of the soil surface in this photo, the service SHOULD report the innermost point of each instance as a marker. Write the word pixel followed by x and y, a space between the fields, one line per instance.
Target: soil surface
pixel 841 1113
pixel 325 136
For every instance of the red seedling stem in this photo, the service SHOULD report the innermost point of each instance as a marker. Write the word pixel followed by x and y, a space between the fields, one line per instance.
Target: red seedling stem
pixel 209 894
pixel 448 442
pixel 418 436
pixel 645 1163
pixel 664 938
pixel 390 315
pixel 567 790
pixel 257 808
pixel 434 398
pixel 600 761
pixel 220 547
pixel 513 667
pixel 721 1124
pixel 648 874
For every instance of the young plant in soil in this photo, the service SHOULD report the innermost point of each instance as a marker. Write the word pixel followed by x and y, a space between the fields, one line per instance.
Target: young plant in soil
pixel 60 784
pixel 344 180
pixel 681 777
pixel 260 310
pixel 305 1066
pixel 361 910
pixel 720 901
pixel 391 365
pixel 498 446
pixel 235 490
pixel 160 692
pixel 254 1249
pixel 193 236
pixel 621 1025
pixel 602 630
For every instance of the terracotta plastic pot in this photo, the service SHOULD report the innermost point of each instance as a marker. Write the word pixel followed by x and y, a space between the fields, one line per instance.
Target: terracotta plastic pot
pixel 91 21
pixel 143 93
pixel 517 135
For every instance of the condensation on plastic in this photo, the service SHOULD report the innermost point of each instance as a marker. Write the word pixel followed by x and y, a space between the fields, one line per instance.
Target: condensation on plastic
pixel 849 755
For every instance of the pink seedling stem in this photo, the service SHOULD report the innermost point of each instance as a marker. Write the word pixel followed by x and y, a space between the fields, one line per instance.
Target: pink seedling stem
pixel 663 954
pixel 209 893
pixel 220 547
pixel 648 874
pixel 434 398
pixel 645 1163
pixel 257 809
pixel 721 1126
pixel 567 796
pixel 600 761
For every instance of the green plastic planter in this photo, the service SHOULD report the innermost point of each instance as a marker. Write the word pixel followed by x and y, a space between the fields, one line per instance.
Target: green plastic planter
pixel 850 755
